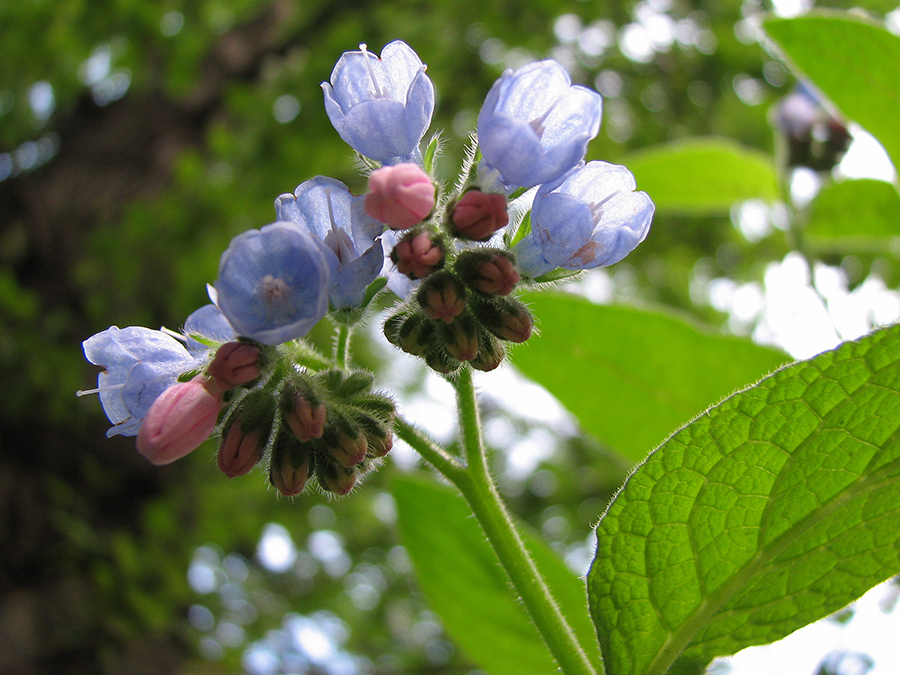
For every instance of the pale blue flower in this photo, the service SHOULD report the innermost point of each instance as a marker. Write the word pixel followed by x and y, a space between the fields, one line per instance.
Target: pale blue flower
pixel 325 208
pixel 138 365
pixel 590 217
pixel 210 323
pixel 273 283
pixel 381 107
pixel 535 125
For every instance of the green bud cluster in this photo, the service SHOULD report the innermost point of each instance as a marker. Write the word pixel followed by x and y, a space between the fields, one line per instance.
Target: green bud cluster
pixel 463 313
pixel 331 427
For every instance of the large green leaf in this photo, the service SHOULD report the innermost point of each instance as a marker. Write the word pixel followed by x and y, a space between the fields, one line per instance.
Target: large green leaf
pixel 855 214
pixel 771 510
pixel 851 61
pixel 465 585
pixel 632 376
pixel 702 176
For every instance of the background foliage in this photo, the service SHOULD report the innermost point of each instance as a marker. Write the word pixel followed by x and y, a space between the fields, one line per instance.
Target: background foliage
pixel 137 138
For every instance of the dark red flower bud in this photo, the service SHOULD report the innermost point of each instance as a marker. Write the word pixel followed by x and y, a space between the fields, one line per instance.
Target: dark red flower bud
pixel 418 254
pixel 239 451
pixel 442 297
pixel 235 364
pixel 488 271
pixel 477 215
pixel 460 338
pixel 506 318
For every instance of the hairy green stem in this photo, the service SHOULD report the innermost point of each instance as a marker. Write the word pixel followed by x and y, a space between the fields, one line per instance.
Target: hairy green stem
pixel 480 491
pixel 434 454
pixel 341 346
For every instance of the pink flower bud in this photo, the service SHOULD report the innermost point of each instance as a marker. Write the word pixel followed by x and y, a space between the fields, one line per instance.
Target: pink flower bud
pixel 235 364
pixel 417 256
pixel 477 215
pixel 306 421
pixel 400 195
pixel 239 451
pixel 179 420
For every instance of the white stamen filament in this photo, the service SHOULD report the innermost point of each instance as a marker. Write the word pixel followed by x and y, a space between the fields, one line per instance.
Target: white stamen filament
pixel 365 53
pixel 597 207
pixel 538 122
pixel 98 390
pixel 338 240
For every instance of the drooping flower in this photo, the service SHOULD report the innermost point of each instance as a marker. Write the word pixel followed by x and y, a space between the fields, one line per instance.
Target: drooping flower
pixel 180 419
pixel 326 209
pixel 381 107
pixel 535 125
pixel 138 365
pixel 399 196
pixel 591 217
pixel 273 283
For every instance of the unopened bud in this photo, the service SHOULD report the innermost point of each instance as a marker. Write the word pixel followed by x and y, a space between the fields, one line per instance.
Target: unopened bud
pixel 460 338
pixel 477 215
pixel 288 479
pixel 305 418
pixel 418 254
pixel 438 359
pixel 506 318
pixel 289 464
pixel 415 334
pixel 488 271
pixel 442 297
pixel 180 419
pixel 348 447
pixel 335 478
pixel 400 196
pixel 235 364
pixel 490 353
pixel 239 451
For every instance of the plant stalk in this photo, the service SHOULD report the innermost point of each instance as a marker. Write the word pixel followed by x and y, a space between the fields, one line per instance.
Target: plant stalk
pixel 480 491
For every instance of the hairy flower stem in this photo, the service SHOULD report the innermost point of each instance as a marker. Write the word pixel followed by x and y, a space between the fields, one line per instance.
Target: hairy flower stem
pixel 477 486
pixel 341 346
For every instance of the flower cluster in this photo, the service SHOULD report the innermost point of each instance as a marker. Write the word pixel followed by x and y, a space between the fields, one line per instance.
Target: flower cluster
pixel 241 368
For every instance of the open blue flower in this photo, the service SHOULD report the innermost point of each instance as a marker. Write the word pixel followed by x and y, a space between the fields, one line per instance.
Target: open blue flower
pixel 590 217
pixel 325 208
pixel 381 107
pixel 535 125
pixel 273 283
pixel 207 322
pixel 138 365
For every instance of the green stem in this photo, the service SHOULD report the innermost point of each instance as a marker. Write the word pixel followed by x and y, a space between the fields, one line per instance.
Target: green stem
pixel 440 459
pixel 341 346
pixel 478 487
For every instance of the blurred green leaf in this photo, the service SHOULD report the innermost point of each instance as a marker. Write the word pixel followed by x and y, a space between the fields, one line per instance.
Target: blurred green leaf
pixel 850 60
pixel 772 510
pixel 702 175
pixel 465 585
pixel 855 214
pixel 631 376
